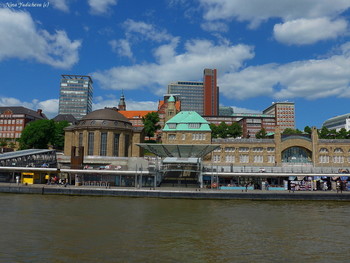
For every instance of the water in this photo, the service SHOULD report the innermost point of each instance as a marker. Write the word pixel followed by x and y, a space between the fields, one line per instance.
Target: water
pixel 36 228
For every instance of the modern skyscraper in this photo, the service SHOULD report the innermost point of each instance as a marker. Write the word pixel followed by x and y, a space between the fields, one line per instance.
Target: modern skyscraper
pixel 202 97
pixel 75 95
pixel 211 93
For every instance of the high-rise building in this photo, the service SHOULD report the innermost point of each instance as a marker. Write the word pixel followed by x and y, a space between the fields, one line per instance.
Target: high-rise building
pixel 284 114
pixel 211 93
pixel 202 97
pixel 75 95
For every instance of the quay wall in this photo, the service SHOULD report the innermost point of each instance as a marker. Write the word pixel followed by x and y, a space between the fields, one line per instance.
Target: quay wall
pixel 183 193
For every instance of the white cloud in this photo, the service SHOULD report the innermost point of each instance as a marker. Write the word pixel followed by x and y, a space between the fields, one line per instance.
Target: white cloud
pixel 199 54
pixel 257 11
pixel 148 31
pixel 243 110
pixel 307 31
pixel 49 107
pixel 100 7
pixel 121 47
pixel 310 79
pixel 21 39
pixel 214 26
pixel 303 20
pixel 60 4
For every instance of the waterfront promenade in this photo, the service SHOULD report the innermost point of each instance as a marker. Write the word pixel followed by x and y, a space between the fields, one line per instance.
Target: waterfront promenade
pixel 183 193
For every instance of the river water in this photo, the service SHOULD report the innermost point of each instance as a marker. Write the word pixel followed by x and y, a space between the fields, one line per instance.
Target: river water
pixel 36 228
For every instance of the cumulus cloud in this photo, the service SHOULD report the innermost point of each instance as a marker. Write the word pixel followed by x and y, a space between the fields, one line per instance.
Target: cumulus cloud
pixel 301 19
pixel 310 79
pixel 49 107
pixel 100 7
pixel 121 47
pixel 20 38
pixel 198 54
pixel 307 31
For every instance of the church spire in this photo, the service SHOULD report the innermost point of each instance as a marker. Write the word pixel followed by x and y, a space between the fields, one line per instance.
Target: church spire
pixel 122 105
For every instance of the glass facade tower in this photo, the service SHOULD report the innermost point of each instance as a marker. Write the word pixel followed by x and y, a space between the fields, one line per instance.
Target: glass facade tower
pixel 75 95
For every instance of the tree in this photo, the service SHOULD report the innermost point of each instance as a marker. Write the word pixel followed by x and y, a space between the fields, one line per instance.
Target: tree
pixel 261 134
pixel 150 121
pixel 323 133
pixel 223 130
pixel 342 134
pixel 57 140
pixel 291 131
pixel 214 130
pixel 307 129
pixel 235 130
pixel 37 134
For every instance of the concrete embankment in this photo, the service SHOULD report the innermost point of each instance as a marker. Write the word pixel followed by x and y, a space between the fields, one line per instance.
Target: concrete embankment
pixel 174 193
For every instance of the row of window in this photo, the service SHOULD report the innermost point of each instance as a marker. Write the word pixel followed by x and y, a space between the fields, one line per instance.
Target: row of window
pixel 103 143
pixel 9 135
pixel 13 121
pixel 245 149
pixel 243 158
pixel 11 128
pixel 195 137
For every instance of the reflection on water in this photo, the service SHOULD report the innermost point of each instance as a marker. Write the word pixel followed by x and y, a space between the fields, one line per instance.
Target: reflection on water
pixel 37 228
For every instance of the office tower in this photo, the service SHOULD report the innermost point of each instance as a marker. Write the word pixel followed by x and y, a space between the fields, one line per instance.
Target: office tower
pixel 211 93
pixel 76 95
pixel 202 97
pixel 284 114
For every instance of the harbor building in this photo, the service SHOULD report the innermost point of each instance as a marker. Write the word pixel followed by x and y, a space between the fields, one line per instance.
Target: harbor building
pixel 104 132
pixel 76 92
pixel 338 122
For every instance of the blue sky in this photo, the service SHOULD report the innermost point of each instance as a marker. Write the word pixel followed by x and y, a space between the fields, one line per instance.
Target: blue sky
pixel 265 51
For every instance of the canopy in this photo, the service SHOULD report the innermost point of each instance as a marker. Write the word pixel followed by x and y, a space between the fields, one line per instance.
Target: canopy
pixel 179 150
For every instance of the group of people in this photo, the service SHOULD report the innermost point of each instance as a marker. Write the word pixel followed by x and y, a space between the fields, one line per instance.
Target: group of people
pixel 56 180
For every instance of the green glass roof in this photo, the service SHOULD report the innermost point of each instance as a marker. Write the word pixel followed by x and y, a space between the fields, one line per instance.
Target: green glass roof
pixel 179 150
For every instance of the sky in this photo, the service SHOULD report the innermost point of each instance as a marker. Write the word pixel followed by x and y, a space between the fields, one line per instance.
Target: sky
pixel 265 51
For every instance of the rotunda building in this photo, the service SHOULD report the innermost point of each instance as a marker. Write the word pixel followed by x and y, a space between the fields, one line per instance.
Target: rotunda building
pixel 104 132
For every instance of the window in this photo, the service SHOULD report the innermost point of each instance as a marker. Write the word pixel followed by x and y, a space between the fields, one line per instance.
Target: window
pixel 323 150
pixel 257 149
pixel 116 145
pixel 216 158
pixel 323 159
pixel 244 158
pixel 172 125
pixel 194 125
pixel 91 143
pixel 230 158
pixel 270 149
pixel 338 159
pixel 338 150
pixel 127 143
pixel 171 137
pixel 243 149
pixel 103 146
pixel 258 159
pixel 217 150
pixel 229 149
pixel 271 159
pixel 183 137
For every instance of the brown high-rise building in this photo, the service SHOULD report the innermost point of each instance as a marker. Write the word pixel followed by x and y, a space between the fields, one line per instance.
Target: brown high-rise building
pixel 211 93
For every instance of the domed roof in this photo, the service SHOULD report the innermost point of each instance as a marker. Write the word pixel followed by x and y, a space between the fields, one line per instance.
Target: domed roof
pixel 106 118
pixel 171 99
pixel 105 114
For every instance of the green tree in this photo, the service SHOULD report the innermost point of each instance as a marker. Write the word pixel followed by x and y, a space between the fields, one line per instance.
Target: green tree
pixel 37 134
pixel 222 130
pixel 150 121
pixel 342 134
pixel 235 130
pixel 307 129
pixel 261 134
pixel 323 133
pixel 57 140
pixel 214 130
pixel 291 131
